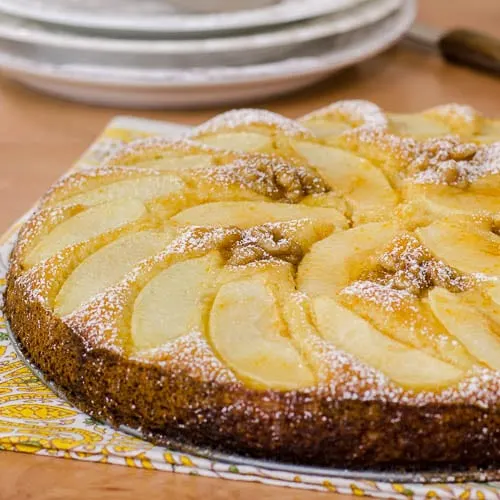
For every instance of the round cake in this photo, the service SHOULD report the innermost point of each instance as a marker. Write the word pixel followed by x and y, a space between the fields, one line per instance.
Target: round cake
pixel 322 291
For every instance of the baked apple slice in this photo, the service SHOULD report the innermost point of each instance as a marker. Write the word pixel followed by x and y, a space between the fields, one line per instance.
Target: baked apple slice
pixel 142 188
pixel 444 200
pixel 417 126
pixel 249 334
pixel 324 128
pixel 467 245
pixel 342 257
pixel 407 366
pixel 489 132
pixel 172 163
pixel 175 302
pixel 339 117
pixel 245 214
pixel 405 318
pixel 493 291
pixel 250 130
pixel 86 225
pixel 106 266
pixel 238 141
pixel 468 324
pixel 364 185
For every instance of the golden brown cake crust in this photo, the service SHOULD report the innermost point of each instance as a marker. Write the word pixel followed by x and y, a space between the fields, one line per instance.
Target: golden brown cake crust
pixel 360 419
pixel 292 427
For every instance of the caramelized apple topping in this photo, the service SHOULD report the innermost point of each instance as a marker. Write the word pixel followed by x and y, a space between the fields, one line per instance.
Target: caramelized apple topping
pixel 433 152
pixel 204 239
pixel 262 243
pixel 278 179
pixel 450 163
pixel 408 265
pixel 495 226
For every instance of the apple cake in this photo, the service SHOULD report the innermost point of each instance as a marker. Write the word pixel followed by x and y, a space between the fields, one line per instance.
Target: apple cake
pixel 322 291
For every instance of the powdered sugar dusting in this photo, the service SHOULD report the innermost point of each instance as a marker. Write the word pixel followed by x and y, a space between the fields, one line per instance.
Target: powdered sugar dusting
pixel 40 224
pixel 270 176
pixel 102 322
pixel 389 298
pixel 459 172
pixel 79 182
pixel 244 118
pixel 407 265
pixel 342 376
pixel 192 355
pixel 356 112
pixel 455 112
pixel 157 147
pixel 379 146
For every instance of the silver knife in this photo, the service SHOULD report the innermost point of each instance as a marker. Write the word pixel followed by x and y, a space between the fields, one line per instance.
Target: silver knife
pixel 460 46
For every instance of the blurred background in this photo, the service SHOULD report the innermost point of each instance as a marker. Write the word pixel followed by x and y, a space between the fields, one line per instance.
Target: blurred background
pixel 190 53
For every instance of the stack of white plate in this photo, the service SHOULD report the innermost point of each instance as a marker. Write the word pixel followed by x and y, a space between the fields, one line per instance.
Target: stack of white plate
pixel 142 53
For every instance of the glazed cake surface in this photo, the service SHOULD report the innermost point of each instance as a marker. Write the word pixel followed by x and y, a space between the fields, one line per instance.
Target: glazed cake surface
pixel 322 291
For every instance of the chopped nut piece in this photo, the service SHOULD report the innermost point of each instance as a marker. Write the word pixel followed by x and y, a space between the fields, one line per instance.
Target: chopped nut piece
pixel 261 243
pixel 434 152
pixel 279 179
pixel 243 255
pixel 408 265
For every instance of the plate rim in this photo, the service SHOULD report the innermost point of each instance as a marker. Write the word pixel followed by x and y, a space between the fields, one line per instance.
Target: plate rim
pixel 180 23
pixel 313 29
pixel 227 76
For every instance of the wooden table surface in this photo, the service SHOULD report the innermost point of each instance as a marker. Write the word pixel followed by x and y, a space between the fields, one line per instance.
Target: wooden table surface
pixel 41 136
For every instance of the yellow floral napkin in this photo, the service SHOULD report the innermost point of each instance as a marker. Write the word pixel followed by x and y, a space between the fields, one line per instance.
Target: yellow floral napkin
pixel 35 420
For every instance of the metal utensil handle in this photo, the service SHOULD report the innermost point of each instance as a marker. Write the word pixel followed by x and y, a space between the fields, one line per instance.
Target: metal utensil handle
pixel 473 49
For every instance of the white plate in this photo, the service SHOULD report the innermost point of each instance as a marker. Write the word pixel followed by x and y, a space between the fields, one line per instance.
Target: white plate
pixel 203 86
pixel 150 17
pixel 33 41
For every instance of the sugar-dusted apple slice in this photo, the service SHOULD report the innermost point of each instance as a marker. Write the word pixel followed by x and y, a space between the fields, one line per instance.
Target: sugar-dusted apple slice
pixel 86 225
pixel 364 185
pixel 459 119
pixel 418 126
pixel 305 336
pixel 238 141
pixel 467 245
pixel 305 232
pixel 327 200
pixel 106 266
pixel 279 273
pixel 485 297
pixel 246 214
pixel 322 128
pixel 249 334
pixel 175 302
pixel 487 182
pixel 493 291
pixel 172 163
pixel 342 257
pixel 468 324
pixel 247 130
pixel 405 318
pixel 444 200
pixel 142 188
pixel 489 132
pixel 404 365
pixel 331 121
